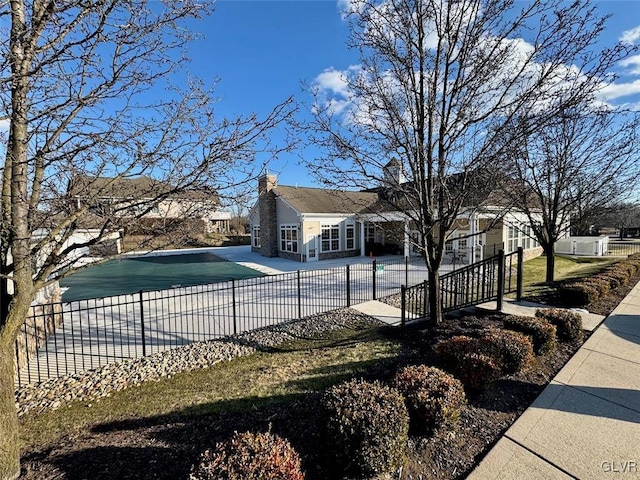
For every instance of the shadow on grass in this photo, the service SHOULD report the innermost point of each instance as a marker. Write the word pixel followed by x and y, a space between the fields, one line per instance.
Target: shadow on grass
pixel 166 446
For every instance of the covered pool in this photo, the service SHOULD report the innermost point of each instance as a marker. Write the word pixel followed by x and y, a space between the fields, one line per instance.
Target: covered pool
pixel 130 275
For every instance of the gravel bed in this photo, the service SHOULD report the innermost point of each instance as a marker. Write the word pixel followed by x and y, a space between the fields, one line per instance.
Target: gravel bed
pixel 101 382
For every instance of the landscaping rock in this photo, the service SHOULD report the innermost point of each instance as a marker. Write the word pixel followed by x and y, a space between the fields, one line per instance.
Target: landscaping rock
pixel 101 382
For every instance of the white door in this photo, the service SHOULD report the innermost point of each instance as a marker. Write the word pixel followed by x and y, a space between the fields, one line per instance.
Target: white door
pixel 312 248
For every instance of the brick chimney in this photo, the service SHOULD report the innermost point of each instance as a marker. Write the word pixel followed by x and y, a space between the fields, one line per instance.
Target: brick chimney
pixel 268 215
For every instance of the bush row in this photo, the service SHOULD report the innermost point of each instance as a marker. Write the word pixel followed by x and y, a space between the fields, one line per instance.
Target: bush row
pixel 590 289
pixel 367 423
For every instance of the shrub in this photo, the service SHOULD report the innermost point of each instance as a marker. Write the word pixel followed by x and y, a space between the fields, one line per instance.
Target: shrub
pixel 601 285
pixel 579 293
pixel 514 350
pixel 451 351
pixel 568 324
pixel 462 356
pixel 433 397
pixel 367 426
pixel 542 333
pixel 249 456
pixel 477 371
pixel 615 279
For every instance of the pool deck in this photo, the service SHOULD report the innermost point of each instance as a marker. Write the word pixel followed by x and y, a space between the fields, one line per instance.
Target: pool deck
pixel 243 255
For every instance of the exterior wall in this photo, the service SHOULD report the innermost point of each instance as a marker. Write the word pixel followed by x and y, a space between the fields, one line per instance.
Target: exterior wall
pixel 286 214
pixel 532 253
pixel 341 254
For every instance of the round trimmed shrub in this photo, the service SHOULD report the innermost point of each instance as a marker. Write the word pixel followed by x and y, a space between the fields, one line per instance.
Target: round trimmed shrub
pixel 568 324
pixel 477 371
pixel 249 456
pixel 579 294
pixel 542 333
pixel 367 426
pixel 434 398
pixel 451 351
pixel 463 357
pixel 513 349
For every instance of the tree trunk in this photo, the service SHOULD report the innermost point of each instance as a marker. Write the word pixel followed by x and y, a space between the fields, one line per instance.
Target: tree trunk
pixel 9 438
pixel 549 251
pixel 435 298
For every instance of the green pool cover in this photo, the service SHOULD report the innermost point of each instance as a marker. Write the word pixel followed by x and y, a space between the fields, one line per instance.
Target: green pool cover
pixel 130 275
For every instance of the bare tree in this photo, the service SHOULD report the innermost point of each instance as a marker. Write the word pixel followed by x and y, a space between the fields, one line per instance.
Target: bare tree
pixel 76 92
pixel 623 216
pixel 437 85
pixel 582 159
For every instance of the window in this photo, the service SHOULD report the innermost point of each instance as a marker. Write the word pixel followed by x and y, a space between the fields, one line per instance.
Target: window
pixel 462 244
pixel 448 246
pixel 369 233
pixel 330 238
pixel 256 237
pixel 512 240
pixel 527 240
pixel 351 236
pixel 289 238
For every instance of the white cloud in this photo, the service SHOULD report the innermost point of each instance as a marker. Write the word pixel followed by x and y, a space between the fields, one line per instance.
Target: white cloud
pixel 633 63
pixel 333 81
pixel 631 36
pixel 618 90
pixel 333 88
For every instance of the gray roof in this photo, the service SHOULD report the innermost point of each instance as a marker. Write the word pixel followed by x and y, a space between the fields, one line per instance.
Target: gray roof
pixel 133 187
pixel 319 200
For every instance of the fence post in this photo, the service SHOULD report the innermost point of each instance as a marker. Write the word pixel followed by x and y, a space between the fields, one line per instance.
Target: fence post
pixel 233 305
pixel 520 274
pixel 299 296
pixel 403 305
pixel 406 271
pixel 500 280
pixel 348 286
pixel 144 342
pixel 425 298
pixel 375 266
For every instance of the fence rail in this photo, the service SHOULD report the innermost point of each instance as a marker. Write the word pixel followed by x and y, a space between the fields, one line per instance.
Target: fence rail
pixel 623 248
pixel 483 281
pixel 90 333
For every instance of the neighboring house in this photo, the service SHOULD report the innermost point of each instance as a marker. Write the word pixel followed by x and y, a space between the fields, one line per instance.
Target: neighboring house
pixel 308 224
pixel 149 202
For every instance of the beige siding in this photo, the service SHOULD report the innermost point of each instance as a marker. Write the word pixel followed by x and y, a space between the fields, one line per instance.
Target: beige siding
pixel 286 215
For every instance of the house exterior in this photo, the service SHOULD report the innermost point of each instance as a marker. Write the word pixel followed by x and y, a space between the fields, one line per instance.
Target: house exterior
pixel 309 224
pixel 148 201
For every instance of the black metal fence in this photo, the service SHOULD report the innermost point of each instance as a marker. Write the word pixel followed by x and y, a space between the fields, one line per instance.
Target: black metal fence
pixel 483 281
pixel 623 248
pixel 66 338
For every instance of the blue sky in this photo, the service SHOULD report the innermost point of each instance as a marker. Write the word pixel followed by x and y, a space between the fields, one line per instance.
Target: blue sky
pixel 262 50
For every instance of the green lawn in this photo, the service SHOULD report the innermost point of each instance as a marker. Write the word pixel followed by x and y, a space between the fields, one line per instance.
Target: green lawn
pixel 566 267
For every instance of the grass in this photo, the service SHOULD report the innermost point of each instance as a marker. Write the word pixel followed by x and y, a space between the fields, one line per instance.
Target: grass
pixel 255 380
pixel 565 267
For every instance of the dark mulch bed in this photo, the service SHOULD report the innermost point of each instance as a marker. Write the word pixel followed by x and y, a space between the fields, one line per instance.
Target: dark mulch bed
pixel 166 447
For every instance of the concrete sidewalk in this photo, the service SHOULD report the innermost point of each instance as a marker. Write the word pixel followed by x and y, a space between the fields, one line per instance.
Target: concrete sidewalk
pixel 586 422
